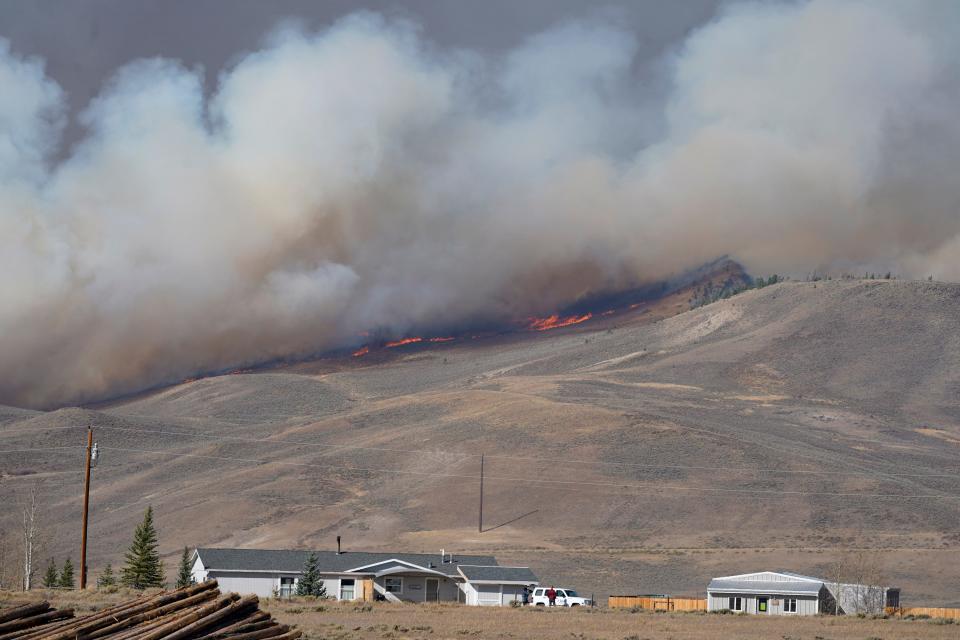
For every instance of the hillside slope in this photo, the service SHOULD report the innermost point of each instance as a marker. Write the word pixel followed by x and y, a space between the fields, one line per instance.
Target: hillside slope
pixel 643 453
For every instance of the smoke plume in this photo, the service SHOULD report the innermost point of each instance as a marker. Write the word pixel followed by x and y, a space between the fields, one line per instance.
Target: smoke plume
pixel 361 178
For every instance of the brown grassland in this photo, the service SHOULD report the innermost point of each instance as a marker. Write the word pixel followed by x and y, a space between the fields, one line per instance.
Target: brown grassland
pixel 349 621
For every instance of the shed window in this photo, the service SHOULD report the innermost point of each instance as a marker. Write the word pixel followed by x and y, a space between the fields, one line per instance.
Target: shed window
pixel 790 605
pixel 393 585
pixel 736 604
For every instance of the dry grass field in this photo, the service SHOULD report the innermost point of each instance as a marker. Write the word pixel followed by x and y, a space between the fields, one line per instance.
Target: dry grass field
pixel 383 621
pixel 642 453
pixel 345 622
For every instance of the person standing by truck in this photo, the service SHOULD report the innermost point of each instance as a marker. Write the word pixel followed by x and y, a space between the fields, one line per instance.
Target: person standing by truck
pixel 552 596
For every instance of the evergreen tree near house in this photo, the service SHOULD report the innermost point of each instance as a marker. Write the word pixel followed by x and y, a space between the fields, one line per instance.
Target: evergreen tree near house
pixel 184 574
pixel 107 579
pixel 143 568
pixel 51 579
pixel 310 583
pixel 66 575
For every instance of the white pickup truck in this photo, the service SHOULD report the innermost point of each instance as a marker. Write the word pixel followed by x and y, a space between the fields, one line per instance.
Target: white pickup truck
pixel 565 598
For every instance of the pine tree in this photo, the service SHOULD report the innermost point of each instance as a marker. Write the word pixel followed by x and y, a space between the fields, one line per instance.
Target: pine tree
pixel 106 579
pixel 66 575
pixel 51 579
pixel 184 573
pixel 310 583
pixel 143 567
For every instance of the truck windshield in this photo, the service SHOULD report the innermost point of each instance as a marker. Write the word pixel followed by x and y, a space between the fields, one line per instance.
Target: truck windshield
pixel 571 593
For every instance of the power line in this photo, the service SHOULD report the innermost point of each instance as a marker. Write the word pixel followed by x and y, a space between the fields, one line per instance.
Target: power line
pixel 621 485
pixel 574 486
pixel 216 436
pixel 212 436
pixel 39 449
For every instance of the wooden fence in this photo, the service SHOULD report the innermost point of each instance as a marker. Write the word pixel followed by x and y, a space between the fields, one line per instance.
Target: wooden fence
pixel 933 612
pixel 657 603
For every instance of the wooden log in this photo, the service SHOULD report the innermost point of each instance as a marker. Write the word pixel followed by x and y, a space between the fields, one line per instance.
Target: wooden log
pixel 290 635
pixel 164 622
pixel 270 632
pixel 145 628
pixel 222 603
pixel 251 622
pixel 17 635
pixel 207 621
pixel 24 611
pixel 37 620
pixel 124 610
pixel 149 614
pixel 67 625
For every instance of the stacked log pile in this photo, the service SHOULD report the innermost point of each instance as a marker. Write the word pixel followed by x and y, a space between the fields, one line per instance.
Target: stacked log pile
pixel 197 612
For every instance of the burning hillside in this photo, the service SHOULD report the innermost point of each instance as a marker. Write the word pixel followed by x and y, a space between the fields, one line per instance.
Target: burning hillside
pixel 722 275
pixel 363 175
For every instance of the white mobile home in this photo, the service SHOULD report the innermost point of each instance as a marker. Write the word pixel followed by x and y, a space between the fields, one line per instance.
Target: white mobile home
pixel 767 593
pixel 411 577
pixel 787 593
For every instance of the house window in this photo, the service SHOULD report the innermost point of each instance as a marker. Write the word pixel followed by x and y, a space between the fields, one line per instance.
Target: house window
pixel 790 605
pixel 736 603
pixel 286 587
pixel 393 585
pixel 347 588
pixel 762 605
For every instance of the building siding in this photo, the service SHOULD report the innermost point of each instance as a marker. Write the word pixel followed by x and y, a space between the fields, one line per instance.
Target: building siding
pixel 246 583
pixel 806 605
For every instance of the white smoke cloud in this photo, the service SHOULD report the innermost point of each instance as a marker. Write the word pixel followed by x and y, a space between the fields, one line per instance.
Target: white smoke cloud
pixel 360 178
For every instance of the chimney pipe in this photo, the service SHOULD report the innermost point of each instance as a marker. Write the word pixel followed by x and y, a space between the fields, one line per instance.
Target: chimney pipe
pixel 338 545
pixel 443 556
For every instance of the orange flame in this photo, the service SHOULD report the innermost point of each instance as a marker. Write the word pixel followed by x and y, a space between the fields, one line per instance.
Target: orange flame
pixel 400 343
pixel 362 351
pixel 555 322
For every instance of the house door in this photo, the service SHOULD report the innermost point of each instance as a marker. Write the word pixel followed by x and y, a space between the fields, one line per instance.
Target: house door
pixel 433 590
pixel 347 588
pixel 763 603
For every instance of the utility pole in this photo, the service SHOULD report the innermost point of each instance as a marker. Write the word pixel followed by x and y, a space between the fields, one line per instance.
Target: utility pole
pixel 480 525
pixel 86 505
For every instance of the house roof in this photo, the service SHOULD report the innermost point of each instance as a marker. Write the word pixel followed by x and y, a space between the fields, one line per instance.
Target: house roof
pixel 771 576
pixel 473 573
pixel 292 560
pixel 765 587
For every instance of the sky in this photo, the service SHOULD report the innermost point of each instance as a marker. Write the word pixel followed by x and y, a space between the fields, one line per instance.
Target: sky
pixel 85 41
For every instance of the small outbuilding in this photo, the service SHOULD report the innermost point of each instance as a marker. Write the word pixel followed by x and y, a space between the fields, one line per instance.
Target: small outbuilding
pixel 786 593
pixel 768 593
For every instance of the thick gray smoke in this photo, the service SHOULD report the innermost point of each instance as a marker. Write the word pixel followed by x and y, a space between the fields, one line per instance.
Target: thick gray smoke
pixel 359 178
